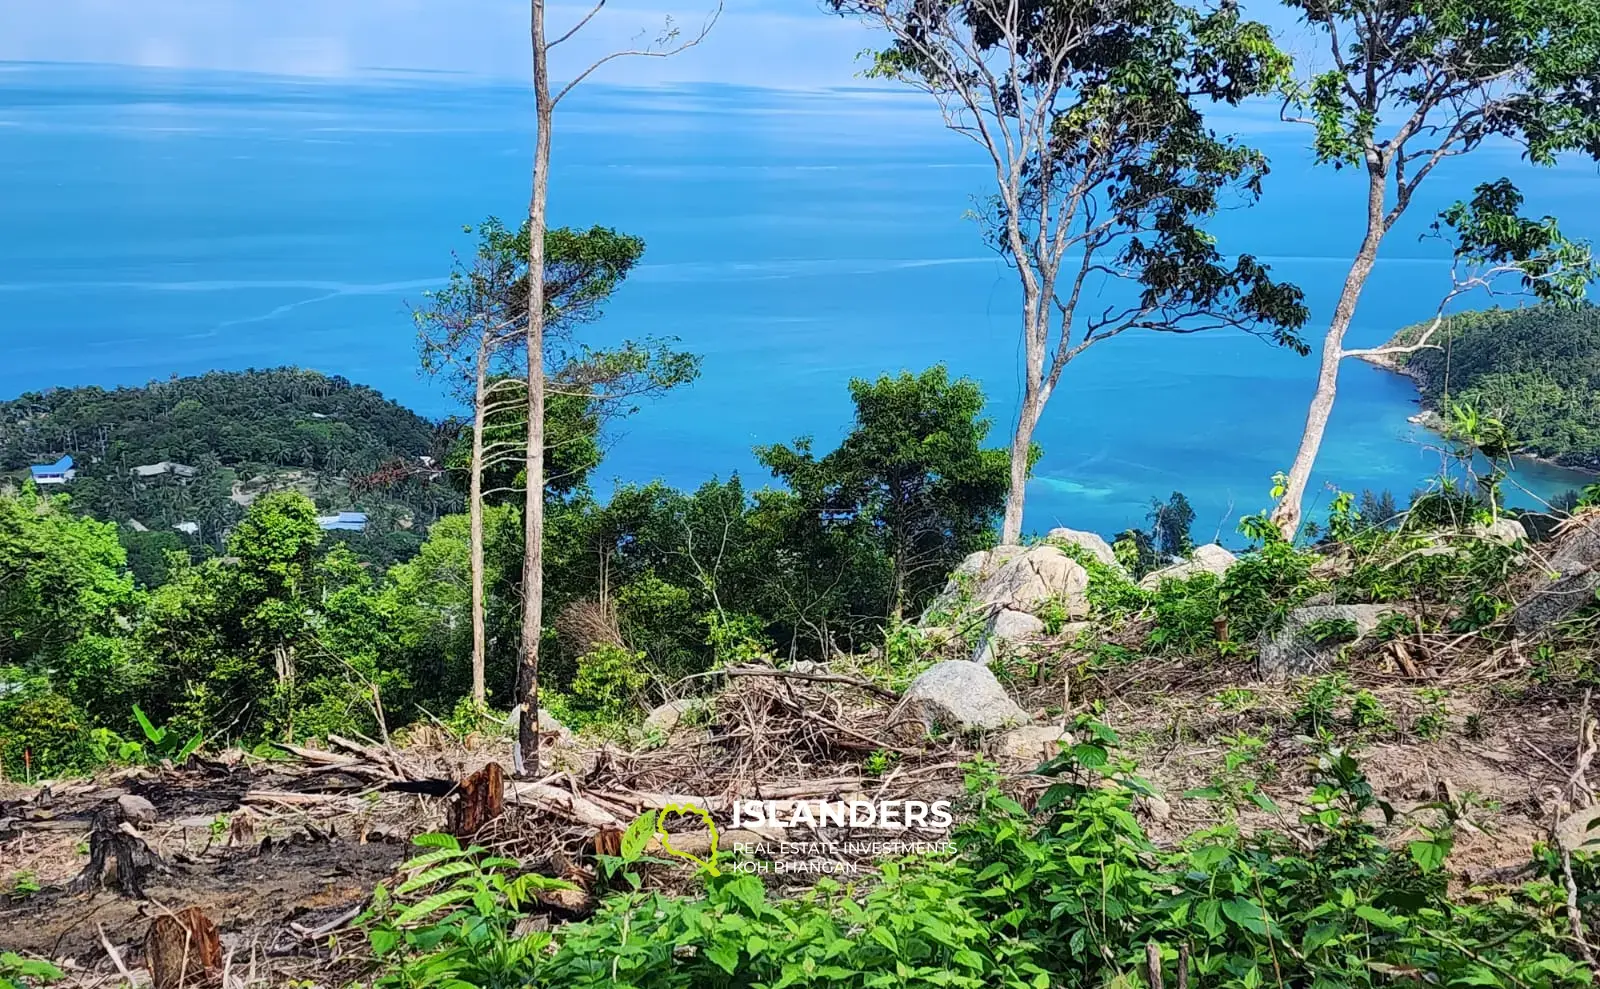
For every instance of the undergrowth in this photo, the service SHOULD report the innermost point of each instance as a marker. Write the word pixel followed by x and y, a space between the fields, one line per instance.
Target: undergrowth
pixel 1070 893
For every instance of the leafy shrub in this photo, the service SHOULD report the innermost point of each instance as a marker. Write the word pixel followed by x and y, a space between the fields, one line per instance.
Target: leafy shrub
pixel 1186 612
pixel 1111 594
pixel 43 734
pixel 1073 893
pixel 1320 701
pixel 1264 586
pixel 165 743
pixel 606 690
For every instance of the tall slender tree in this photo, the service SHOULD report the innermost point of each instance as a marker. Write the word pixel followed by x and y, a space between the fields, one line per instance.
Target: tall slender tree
pixel 669 42
pixel 1089 112
pixel 474 328
pixel 1411 85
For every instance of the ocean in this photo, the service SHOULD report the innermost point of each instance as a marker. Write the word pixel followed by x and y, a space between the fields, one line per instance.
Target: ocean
pixel 159 222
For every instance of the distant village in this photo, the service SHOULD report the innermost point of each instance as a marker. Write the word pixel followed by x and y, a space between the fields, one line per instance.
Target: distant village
pixel 64 472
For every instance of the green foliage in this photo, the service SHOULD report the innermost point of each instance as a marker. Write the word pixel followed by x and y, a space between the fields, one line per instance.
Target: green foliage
pixel 451 922
pixel 1538 367
pixel 278 639
pixel 1367 714
pixel 316 432
pixel 17 972
pixel 43 735
pixel 164 743
pixel 1319 702
pixel 1068 894
pixel 607 688
pixel 1170 524
pixel 1186 612
pixel 62 578
pixel 1111 594
pixel 1259 591
pixel 912 477
pixel 1431 723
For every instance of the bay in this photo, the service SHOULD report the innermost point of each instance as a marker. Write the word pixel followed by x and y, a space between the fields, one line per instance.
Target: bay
pixel 159 222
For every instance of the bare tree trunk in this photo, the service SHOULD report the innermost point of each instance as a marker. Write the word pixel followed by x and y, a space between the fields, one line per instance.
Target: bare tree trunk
pixel 1288 513
pixel 480 401
pixel 1021 444
pixel 533 514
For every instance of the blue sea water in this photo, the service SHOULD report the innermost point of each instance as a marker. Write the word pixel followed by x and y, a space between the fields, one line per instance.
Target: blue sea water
pixel 158 222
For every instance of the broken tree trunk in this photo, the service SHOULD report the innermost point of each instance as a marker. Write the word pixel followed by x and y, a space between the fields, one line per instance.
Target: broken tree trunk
pixel 116 851
pixel 182 949
pixel 479 799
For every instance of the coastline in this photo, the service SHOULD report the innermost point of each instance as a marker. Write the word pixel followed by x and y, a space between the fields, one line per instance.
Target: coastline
pixel 1429 417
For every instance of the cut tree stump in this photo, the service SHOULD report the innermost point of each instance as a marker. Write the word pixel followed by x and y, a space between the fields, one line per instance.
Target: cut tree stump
pixel 182 950
pixel 479 800
pixel 117 852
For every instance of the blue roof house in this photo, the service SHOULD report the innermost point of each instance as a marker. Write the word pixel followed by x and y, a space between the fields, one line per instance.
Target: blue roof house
pixel 59 472
pixel 344 522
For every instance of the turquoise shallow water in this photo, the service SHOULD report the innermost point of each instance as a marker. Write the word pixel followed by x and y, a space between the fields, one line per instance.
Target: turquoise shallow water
pixel 158 222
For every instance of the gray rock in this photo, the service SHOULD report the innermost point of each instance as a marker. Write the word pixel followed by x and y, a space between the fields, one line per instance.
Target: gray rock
pixel 1029 579
pixel 1006 630
pixel 1292 650
pixel 1568 581
pixel 1156 806
pixel 669 715
pixel 1506 532
pixel 1093 542
pixel 137 809
pixel 1027 747
pixel 1209 558
pixel 967 574
pixel 959 694
pixel 550 725
pixel 1580 830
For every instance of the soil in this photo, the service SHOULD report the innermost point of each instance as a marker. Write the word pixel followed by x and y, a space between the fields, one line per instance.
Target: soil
pixel 279 857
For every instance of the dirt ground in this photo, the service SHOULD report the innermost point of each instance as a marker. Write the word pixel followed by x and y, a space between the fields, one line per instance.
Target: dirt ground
pixel 282 857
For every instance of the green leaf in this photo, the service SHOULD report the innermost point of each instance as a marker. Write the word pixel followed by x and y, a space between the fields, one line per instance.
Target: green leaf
pixel 1377 918
pixel 1429 855
pixel 432 905
pixel 638 835
pixel 154 734
pixel 726 957
pixel 1089 755
pixel 189 748
pixel 383 941
pixel 434 875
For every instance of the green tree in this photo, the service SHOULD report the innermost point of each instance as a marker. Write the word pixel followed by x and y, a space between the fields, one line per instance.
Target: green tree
pixel 62 576
pixel 1170 525
pixel 913 473
pixel 1091 114
pixel 476 329
pixel 1409 86
pixel 276 639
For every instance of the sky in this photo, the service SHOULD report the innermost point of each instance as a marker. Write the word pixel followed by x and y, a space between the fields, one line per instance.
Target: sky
pixel 784 44
pixel 788 44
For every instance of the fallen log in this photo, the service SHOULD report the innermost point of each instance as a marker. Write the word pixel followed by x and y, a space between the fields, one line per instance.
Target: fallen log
pixel 563 804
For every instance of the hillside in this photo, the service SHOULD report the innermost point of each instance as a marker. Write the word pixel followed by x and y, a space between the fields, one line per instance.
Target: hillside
pixel 1538 369
pixel 243 433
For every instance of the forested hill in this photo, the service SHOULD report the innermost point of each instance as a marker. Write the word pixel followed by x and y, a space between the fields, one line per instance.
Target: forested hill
pixel 243 432
pixel 1537 369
